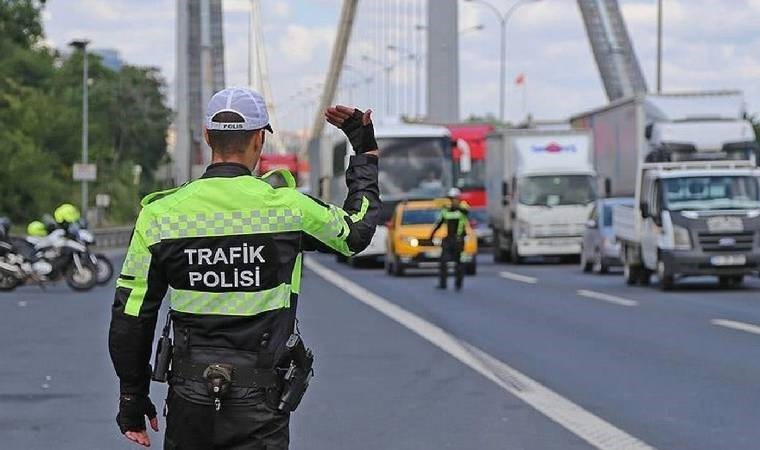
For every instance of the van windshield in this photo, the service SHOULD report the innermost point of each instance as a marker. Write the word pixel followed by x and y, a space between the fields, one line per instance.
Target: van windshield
pixel 711 192
pixel 555 190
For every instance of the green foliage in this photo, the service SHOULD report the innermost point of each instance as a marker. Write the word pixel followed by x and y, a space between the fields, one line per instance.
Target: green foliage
pixel 41 123
pixel 20 21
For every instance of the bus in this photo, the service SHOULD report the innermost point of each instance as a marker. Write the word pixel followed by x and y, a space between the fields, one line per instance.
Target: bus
pixel 415 164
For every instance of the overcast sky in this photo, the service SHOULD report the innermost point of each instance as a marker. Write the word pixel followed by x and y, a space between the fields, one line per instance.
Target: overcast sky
pixel 708 44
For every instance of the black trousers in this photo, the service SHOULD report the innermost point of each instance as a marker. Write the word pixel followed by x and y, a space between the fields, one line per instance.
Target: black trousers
pixel 451 252
pixel 192 426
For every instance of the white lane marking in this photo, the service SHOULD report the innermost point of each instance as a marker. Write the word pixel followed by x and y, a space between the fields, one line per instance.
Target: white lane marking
pixel 518 277
pixel 594 430
pixel 607 297
pixel 734 325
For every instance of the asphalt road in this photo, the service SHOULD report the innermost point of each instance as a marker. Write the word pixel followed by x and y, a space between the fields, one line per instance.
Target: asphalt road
pixel 673 370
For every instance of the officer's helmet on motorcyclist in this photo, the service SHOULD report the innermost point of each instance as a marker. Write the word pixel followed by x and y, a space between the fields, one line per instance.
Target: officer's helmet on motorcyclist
pixel 66 213
pixel 36 229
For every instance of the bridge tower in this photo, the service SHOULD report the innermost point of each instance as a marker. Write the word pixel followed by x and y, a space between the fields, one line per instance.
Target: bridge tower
pixel 200 72
pixel 613 51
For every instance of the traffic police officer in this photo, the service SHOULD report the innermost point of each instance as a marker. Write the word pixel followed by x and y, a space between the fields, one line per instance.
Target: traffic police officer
pixel 229 246
pixel 454 216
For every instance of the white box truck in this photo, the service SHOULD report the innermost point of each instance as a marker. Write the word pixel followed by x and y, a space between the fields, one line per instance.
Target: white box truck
pixel 540 188
pixel 689 160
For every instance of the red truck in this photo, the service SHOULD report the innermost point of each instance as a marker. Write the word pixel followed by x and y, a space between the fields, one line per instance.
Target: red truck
pixel 470 147
pixel 469 158
pixel 273 161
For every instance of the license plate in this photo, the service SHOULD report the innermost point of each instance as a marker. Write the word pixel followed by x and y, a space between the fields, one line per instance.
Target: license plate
pixel 728 260
pixel 433 253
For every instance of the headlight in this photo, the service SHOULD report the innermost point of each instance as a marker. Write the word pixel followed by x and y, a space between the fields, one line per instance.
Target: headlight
pixel 681 238
pixel 411 241
pixel 523 229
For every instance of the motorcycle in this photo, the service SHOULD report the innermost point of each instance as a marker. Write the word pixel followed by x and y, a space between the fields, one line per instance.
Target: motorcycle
pixel 44 259
pixel 103 266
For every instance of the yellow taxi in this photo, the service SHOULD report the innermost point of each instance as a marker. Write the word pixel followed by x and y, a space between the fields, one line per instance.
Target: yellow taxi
pixel 409 244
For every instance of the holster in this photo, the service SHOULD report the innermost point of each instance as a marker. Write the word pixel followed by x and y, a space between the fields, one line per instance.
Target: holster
pixel 298 376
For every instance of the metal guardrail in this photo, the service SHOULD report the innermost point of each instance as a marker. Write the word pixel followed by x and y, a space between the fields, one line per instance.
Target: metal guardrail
pixel 116 237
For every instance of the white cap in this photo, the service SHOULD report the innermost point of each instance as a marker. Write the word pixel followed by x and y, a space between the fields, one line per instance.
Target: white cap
pixel 454 193
pixel 244 102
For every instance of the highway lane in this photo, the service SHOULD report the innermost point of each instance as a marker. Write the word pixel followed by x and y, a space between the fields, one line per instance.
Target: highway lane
pixel 677 370
pixel 378 385
pixel 658 367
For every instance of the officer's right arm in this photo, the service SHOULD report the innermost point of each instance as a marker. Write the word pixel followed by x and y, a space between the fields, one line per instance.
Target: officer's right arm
pixel 140 288
pixel 346 230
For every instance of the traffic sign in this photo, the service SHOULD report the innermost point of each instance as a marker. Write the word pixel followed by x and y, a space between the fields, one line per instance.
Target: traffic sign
pixel 85 172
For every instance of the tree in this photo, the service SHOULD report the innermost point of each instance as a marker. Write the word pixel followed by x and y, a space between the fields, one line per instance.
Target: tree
pixel 40 122
pixel 20 21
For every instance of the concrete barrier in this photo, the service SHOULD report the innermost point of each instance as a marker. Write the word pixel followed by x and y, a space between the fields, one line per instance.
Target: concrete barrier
pixel 115 237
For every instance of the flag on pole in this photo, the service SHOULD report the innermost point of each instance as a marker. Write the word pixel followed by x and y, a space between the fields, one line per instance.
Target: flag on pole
pixel 520 79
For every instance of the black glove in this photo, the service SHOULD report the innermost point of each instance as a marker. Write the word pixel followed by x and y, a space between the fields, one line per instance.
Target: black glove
pixel 132 412
pixel 362 137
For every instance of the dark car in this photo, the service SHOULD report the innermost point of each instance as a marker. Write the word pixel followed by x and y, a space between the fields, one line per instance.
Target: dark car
pixel 600 249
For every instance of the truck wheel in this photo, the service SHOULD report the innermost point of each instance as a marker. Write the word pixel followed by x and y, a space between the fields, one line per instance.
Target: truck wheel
pixel 499 255
pixel 514 254
pixel 645 276
pixel 630 273
pixel 666 279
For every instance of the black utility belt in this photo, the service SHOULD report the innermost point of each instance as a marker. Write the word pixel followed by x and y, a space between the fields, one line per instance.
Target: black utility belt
pixel 237 376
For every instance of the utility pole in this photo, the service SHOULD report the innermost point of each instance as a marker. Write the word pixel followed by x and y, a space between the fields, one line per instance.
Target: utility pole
pixel 82 45
pixel 503 21
pixel 659 46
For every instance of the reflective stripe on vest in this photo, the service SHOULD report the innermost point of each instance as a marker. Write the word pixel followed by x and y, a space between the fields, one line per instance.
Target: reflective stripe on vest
pixel 231 303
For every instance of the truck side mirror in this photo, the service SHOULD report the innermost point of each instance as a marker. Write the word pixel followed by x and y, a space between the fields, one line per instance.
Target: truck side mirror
pixel 648 131
pixel 465 155
pixel 644 207
pixel 607 187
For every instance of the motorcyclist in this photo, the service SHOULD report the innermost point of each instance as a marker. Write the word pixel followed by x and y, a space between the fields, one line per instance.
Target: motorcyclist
pixel 454 216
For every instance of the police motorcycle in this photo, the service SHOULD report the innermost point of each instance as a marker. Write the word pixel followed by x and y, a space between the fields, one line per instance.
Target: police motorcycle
pixel 67 217
pixel 103 267
pixel 42 258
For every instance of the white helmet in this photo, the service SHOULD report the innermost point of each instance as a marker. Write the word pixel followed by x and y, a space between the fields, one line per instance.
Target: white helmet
pixel 454 193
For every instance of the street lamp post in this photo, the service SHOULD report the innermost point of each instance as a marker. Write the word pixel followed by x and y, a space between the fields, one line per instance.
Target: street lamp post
pixel 503 20
pixel 82 45
pixel 659 46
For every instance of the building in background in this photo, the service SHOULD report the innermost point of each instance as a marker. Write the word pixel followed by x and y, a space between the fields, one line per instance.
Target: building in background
pixel 110 58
